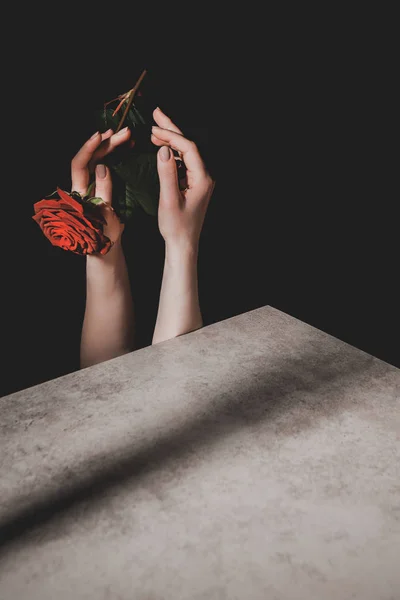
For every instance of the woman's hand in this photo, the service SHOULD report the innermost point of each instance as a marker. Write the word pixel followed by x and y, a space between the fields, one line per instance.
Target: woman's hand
pixel 181 213
pixel 180 219
pixel 83 164
pixel 113 228
pixel 108 324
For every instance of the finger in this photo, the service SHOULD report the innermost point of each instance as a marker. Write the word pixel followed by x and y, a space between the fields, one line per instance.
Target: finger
pixel 107 134
pixel 79 164
pixel 163 121
pixel 104 184
pixel 79 175
pixel 110 144
pixel 188 149
pixel 167 172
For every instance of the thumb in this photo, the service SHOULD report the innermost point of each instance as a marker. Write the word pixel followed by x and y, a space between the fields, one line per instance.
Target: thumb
pixel 113 228
pixel 167 171
pixel 103 184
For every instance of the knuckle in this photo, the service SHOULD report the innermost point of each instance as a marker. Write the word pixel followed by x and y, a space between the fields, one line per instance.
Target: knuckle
pixel 75 162
pixel 208 182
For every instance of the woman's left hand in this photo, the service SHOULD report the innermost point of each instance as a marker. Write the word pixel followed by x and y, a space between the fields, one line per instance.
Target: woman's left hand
pixel 181 213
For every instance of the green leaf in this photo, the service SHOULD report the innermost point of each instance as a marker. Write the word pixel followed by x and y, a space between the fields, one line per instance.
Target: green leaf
pixel 90 188
pixel 134 171
pixel 142 187
pixel 96 200
pixel 134 116
pixel 105 120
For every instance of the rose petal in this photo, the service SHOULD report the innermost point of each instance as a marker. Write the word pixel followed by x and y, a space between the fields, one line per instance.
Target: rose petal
pixel 68 225
pixel 69 200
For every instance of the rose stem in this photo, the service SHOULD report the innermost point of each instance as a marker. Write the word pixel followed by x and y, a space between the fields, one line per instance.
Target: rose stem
pixel 130 100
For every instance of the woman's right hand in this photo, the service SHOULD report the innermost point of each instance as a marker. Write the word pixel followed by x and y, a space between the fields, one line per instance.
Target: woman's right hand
pixel 91 153
pixel 88 159
pixel 108 324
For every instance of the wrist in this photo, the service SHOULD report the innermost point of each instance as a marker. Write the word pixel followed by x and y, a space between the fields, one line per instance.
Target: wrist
pixel 98 264
pixel 113 252
pixel 181 252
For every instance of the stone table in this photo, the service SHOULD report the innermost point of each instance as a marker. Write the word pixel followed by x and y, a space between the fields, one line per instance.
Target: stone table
pixel 254 459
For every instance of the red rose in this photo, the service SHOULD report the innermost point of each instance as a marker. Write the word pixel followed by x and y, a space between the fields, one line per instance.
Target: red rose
pixel 72 225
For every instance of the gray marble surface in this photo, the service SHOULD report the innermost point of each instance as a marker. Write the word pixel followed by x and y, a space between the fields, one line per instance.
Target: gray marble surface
pixel 255 459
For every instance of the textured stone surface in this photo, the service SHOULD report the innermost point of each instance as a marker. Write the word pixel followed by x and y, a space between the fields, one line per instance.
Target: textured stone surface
pixel 257 459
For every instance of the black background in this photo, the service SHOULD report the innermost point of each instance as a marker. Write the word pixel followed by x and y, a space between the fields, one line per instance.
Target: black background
pixel 300 218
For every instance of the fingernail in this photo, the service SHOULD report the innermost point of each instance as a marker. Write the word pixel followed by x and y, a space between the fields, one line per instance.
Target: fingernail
pixel 124 130
pixel 165 153
pixel 101 171
pixel 94 135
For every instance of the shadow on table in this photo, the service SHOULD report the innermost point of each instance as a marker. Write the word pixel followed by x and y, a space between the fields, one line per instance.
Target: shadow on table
pixel 316 381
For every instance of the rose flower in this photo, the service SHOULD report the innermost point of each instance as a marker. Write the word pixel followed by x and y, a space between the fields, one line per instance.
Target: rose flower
pixel 74 225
